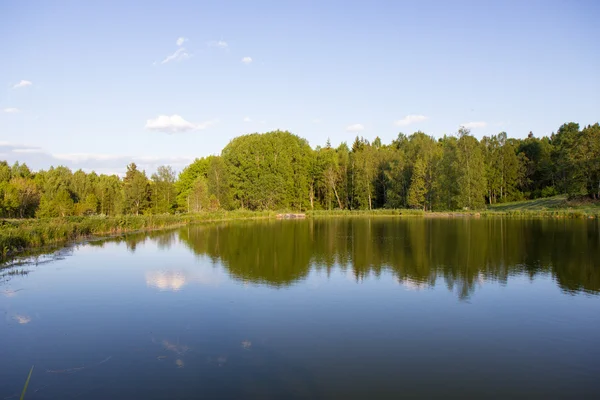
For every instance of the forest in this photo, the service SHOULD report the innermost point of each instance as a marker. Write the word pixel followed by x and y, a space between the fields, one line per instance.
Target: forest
pixel 280 171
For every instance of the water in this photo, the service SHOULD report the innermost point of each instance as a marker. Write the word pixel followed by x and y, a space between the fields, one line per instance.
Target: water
pixel 338 308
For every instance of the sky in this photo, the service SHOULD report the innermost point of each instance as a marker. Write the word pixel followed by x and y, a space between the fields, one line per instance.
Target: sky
pixel 99 84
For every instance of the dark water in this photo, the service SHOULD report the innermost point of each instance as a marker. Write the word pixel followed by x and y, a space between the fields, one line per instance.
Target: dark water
pixel 340 308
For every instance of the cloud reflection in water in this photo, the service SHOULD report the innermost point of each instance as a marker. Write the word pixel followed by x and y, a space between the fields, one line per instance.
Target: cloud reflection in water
pixel 175 280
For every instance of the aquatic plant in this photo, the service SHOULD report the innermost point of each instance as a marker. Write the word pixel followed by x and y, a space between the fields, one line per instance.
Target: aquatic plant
pixel 27 383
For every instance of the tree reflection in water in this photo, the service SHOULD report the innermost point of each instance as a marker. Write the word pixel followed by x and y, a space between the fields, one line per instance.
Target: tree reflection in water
pixel 462 252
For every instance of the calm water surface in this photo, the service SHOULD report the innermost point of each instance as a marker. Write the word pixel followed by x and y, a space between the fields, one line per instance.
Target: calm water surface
pixel 339 308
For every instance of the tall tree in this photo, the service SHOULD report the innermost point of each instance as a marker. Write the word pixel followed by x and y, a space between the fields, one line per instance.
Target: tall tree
pixel 198 199
pixel 136 190
pixel 418 190
pixel 447 175
pixel 163 190
pixel 269 170
pixel 471 171
pixel 109 192
pixel 218 182
pixel 564 143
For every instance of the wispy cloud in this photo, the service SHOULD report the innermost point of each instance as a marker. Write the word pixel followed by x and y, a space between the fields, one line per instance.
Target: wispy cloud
pixel 247 60
pixel 221 44
pixel 410 119
pixel 247 119
pixel 180 54
pixel 22 84
pixel 355 128
pixel 11 110
pixel 316 120
pixel 37 158
pixel 474 125
pixel 175 124
pixel 181 40
pixel 32 150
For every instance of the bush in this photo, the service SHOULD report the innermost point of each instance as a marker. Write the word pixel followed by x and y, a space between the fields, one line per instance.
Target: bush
pixel 548 191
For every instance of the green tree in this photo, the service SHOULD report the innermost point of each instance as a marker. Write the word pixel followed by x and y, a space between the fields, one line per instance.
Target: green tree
pixel 539 171
pixel 564 143
pixel 471 171
pixel 418 190
pixel 59 204
pixel 109 192
pixel 28 196
pixel 88 205
pixel 163 190
pixel 447 175
pixel 185 183
pixel 218 182
pixel 585 160
pixel 136 190
pixel 198 199
pixel 364 167
pixel 5 172
pixel 269 170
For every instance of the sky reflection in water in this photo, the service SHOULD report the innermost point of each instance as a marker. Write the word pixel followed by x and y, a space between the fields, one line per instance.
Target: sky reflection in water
pixel 349 308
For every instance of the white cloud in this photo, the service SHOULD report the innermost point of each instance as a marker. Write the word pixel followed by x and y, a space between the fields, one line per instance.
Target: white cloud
pixel 247 119
pixel 175 124
pixel 247 60
pixel 181 41
pixel 316 121
pixel 474 125
pixel 11 110
pixel 180 54
pixel 355 128
pixel 221 44
pixel 410 119
pixel 22 84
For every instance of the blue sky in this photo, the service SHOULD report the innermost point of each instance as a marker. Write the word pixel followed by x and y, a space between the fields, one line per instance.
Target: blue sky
pixel 100 84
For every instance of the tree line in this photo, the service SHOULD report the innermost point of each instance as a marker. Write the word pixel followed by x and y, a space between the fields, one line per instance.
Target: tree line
pixel 279 170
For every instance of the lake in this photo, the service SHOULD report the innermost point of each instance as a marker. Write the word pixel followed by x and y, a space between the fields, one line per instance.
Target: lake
pixel 351 308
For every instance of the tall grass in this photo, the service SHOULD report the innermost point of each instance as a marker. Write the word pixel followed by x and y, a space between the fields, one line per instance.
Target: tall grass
pixel 17 235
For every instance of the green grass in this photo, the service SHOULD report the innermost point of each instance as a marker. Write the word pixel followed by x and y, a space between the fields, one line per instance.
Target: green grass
pixel 556 202
pixel 364 213
pixel 557 207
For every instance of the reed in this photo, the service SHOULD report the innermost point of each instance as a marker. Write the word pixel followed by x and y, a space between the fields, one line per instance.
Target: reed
pixel 17 235
pixel 26 383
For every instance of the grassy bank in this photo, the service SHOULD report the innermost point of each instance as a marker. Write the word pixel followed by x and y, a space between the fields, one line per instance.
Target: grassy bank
pixel 554 207
pixel 365 213
pixel 17 235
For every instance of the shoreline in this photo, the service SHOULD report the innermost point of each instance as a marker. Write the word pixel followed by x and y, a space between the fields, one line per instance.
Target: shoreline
pixel 27 235
pixel 557 213
pixel 18 237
